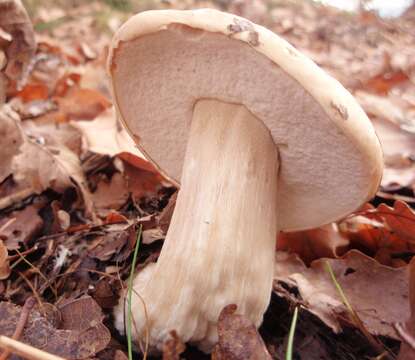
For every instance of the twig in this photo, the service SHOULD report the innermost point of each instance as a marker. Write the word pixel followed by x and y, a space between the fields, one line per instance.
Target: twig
pixel 54 291
pixel 24 315
pixel 7 224
pixel 24 350
pixel 402 331
pixel 35 293
pixel 23 253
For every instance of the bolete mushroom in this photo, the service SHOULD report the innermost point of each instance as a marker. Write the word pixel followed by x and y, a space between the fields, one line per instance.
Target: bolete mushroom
pixel 261 140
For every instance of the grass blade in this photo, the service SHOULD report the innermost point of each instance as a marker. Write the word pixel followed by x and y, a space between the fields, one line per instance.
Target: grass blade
pixel 289 353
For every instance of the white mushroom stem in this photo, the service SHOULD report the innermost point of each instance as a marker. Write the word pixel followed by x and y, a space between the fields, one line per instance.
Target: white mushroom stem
pixel 220 246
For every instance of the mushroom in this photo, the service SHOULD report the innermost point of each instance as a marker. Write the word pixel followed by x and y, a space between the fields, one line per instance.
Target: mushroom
pixel 260 138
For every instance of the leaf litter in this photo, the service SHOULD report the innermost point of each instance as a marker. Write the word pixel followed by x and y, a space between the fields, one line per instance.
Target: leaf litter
pixel 67 232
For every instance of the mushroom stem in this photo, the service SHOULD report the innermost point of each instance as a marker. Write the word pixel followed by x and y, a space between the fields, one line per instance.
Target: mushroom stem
pixel 220 245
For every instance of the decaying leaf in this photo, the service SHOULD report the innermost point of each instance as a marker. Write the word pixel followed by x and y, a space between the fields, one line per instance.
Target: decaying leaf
pixel 395 126
pixel 21 47
pixel 4 263
pixel 81 104
pixel 400 219
pixel 407 348
pixel 81 334
pixel 111 244
pixel 110 194
pixel 36 167
pixel 20 227
pixel 12 139
pixel 325 241
pixel 85 316
pixel 238 338
pixel 360 277
pixel 383 232
pixel 112 139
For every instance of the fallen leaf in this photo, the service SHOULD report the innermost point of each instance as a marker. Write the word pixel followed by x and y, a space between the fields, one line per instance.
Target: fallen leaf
pixel 112 243
pixel 32 92
pixel 20 227
pixel 81 335
pixel 82 104
pixel 15 21
pixel 325 241
pixel 382 232
pixel 151 235
pixel 110 194
pixel 40 167
pixel 50 134
pixel 4 263
pixel 395 128
pixel 400 219
pixel 407 351
pixel 12 139
pixel 238 338
pixel 383 83
pixel 112 139
pixel 37 167
pixel 164 218
pixel 85 316
pixel 359 276
pixel 106 293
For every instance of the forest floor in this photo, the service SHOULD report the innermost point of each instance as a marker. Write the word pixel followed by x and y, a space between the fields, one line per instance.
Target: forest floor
pixel 68 231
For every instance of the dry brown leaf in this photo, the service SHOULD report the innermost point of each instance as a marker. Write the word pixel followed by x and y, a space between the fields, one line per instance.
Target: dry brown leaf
pixel 112 243
pixel 407 351
pixel 85 316
pixel 395 126
pixel 32 92
pixel 15 21
pixel 11 138
pixel 110 194
pixel 106 293
pixel 325 241
pixel 50 134
pixel 375 238
pixel 82 334
pixel 20 227
pixel 142 183
pixel 361 278
pixel 82 104
pixel 382 232
pixel 39 167
pixel 164 218
pixel 238 338
pixel 112 139
pixel 400 219
pixel 4 263
pixel 36 167
pixel 139 177
pixel 383 83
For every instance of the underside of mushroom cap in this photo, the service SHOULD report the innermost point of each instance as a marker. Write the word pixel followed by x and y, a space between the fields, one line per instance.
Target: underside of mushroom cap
pixel 162 62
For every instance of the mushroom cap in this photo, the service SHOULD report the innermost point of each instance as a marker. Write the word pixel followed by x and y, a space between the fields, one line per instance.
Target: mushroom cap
pixel 161 62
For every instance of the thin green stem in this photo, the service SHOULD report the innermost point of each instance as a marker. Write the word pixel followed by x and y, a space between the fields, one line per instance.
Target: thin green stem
pixel 290 344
